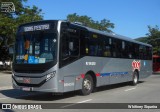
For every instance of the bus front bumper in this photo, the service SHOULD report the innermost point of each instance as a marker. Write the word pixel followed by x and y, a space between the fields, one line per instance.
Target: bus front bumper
pixel 34 84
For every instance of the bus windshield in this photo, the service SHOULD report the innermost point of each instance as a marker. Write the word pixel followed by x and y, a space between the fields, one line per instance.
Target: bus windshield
pixel 35 48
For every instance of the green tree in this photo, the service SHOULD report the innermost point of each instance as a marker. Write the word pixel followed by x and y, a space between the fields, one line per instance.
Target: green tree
pixel 154 38
pixel 9 21
pixel 142 39
pixel 103 25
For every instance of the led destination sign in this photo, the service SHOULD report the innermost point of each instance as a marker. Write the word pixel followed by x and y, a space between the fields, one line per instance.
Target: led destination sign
pixel 37 27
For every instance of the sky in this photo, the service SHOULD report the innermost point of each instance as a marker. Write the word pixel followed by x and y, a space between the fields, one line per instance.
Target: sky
pixel 131 17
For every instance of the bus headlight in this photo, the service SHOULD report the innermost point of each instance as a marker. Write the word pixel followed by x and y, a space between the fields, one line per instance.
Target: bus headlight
pixel 50 75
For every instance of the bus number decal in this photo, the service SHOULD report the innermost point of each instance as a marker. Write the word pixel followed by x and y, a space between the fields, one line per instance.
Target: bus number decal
pixel 90 63
pixel 136 65
pixel 69 84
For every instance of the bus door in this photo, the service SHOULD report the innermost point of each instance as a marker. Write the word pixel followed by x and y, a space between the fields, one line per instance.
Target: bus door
pixel 69 55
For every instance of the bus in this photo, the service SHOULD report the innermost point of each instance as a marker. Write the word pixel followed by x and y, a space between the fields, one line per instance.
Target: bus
pixel 156 64
pixel 59 56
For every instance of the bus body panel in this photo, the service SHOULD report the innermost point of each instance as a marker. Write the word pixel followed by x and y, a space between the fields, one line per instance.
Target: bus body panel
pixel 49 86
pixel 107 71
pixel 37 83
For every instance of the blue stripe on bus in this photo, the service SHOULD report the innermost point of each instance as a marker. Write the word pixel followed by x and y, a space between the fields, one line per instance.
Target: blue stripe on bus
pixel 105 74
pixel 113 73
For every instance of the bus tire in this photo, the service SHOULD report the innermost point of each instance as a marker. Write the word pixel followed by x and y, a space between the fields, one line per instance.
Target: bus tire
pixel 87 85
pixel 135 78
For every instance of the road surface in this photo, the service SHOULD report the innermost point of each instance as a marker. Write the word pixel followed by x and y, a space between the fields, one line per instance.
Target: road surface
pixel 147 91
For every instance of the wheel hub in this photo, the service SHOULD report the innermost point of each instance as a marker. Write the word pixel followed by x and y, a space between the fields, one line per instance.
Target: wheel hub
pixel 87 84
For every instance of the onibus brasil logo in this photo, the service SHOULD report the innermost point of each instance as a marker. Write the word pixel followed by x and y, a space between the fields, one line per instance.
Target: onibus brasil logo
pixel 7 7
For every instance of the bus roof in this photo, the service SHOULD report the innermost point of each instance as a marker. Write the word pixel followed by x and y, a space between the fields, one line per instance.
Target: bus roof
pixel 95 31
pixel 112 35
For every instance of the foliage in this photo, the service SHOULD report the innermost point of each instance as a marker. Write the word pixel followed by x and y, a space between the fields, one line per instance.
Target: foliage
pixel 142 39
pixel 9 21
pixel 103 25
pixel 154 39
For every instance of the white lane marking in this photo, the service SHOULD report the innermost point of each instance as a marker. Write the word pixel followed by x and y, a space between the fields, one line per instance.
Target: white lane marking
pixel 84 101
pixel 129 89
pixel 76 103
pixel 68 105
pixel 5 87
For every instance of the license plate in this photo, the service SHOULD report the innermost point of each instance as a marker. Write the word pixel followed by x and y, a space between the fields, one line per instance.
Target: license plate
pixel 26 89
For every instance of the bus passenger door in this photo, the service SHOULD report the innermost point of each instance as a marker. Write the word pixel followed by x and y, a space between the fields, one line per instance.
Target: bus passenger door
pixel 69 55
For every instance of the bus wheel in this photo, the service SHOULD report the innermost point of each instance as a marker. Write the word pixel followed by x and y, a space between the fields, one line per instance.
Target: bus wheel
pixel 87 85
pixel 135 78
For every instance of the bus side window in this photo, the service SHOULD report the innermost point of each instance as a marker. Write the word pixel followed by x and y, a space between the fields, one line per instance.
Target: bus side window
pixel 107 51
pixel 131 49
pixel 65 47
pixel 114 48
pixel 74 46
pixel 106 47
pixel 70 49
pixel 119 48
pixel 136 51
pixel 95 49
pixel 142 51
pixel 149 53
pixel 84 42
pixel 123 49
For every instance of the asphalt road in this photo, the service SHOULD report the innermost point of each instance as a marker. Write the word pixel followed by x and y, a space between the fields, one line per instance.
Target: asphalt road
pixel 147 91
